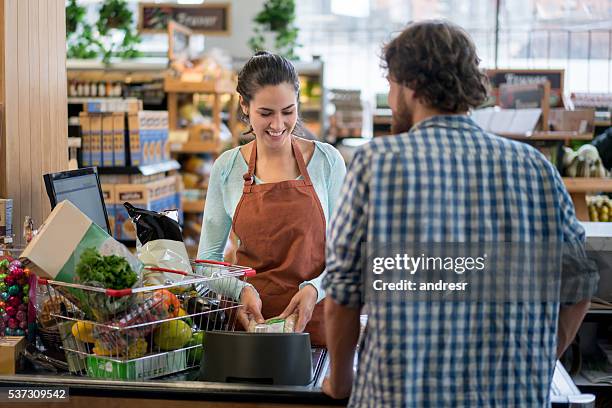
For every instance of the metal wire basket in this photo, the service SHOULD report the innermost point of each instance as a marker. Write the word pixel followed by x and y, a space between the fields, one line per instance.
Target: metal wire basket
pixel 149 331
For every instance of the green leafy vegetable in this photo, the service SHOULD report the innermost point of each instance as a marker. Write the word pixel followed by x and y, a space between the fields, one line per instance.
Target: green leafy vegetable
pixel 112 271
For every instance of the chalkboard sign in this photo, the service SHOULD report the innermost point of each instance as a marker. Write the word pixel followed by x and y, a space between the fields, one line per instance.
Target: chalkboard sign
pixel 498 77
pixel 208 18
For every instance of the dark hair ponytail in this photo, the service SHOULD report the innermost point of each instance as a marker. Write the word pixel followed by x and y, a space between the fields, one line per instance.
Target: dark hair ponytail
pixel 263 69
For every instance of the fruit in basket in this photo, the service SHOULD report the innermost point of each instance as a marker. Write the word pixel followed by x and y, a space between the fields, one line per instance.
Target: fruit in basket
pixel 170 301
pixel 138 348
pixel 172 335
pixel 194 355
pixel 83 331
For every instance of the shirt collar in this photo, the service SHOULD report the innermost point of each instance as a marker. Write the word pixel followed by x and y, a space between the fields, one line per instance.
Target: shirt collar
pixel 463 122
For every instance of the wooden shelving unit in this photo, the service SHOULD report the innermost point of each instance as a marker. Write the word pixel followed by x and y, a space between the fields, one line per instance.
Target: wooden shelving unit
pixel 578 189
pixel 548 136
pixel 193 206
pixel 195 147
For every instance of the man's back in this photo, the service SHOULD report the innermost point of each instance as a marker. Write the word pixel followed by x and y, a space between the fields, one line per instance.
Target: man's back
pixel 447 181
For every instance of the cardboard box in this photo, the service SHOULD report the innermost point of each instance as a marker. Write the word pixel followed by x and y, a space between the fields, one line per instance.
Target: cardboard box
pixel 10 349
pixel 137 369
pixel 119 140
pixel 96 139
pixel 580 121
pixel 139 195
pixel 86 142
pixel 6 217
pixel 135 147
pixel 55 250
pixel 107 139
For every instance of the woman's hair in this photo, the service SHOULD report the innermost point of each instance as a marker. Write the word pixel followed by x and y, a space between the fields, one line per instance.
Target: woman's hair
pixel 264 69
pixel 437 59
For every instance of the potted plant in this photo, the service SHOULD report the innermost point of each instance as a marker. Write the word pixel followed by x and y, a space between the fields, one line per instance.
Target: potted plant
pixel 277 17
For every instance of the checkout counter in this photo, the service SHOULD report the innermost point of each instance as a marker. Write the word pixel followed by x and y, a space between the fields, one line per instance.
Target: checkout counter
pixel 184 390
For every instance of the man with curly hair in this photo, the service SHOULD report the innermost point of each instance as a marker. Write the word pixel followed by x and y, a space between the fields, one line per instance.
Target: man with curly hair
pixel 442 179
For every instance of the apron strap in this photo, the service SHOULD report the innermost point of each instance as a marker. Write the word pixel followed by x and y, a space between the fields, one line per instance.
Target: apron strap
pixel 249 176
pixel 300 161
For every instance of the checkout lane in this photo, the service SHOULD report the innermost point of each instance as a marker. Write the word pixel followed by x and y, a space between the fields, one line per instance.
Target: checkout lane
pixel 186 386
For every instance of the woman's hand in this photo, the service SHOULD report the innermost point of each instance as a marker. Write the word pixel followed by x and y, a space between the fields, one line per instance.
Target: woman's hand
pixel 303 303
pixel 251 309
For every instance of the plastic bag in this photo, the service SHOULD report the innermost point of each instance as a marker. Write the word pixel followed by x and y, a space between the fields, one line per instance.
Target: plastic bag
pixel 159 243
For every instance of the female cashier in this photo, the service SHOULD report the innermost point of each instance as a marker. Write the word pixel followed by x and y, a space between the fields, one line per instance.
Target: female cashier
pixel 276 194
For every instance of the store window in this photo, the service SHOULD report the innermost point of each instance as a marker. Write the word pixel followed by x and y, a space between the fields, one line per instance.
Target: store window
pixel 575 35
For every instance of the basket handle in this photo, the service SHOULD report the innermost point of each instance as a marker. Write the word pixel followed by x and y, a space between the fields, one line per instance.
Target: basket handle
pixel 118 292
pixel 156 269
pixel 206 261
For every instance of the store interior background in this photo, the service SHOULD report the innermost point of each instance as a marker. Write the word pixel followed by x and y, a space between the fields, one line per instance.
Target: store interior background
pixel 339 46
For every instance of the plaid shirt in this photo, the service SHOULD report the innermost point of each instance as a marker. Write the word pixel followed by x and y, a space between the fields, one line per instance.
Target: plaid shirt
pixel 449 181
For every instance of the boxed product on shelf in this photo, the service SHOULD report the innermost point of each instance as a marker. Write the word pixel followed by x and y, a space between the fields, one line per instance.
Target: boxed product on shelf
pixel 95 146
pixel 107 140
pixel 158 195
pixel 137 369
pixel 148 137
pixel 113 105
pixel 6 217
pixel 85 123
pixel 119 139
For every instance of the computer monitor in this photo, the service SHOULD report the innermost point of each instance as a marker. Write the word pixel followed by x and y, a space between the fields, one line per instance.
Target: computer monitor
pixel 82 188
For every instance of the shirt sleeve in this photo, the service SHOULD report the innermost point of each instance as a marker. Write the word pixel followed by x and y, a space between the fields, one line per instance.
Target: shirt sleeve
pixel 336 178
pixel 579 273
pixel 215 231
pixel 343 281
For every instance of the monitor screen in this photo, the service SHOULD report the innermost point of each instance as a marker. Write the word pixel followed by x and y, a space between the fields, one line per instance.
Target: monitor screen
pixel 82 188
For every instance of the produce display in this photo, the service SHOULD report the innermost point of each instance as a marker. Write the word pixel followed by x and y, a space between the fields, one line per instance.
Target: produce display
pixel 14 297
pixel 600 208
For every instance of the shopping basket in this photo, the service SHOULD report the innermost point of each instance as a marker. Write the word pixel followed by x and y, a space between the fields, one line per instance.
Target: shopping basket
pixel 149 331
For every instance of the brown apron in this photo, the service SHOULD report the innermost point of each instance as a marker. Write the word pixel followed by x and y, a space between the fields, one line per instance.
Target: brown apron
pixel 281 228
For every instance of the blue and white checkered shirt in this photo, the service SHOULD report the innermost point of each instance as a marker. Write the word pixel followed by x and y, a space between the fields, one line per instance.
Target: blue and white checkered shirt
pixel 449 181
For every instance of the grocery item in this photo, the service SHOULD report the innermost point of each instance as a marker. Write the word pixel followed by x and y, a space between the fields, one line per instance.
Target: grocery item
pixel 76 232
pixel 159 244
pixel 83 331
pixel 194 355
pixel 172 335
pixel 600 208
pixel 136 349
pixel 274 325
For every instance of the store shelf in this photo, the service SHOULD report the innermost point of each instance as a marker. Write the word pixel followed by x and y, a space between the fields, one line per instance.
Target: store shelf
pixel 213 147
pixel 587 185
pixel 550 135
pixel 603 123
pixel 175 85
pixel 193 206
pixel 146 170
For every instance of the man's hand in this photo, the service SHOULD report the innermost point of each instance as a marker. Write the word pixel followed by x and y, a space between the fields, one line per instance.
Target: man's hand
pixel 303 303
pixel 335 390
pixel 251 309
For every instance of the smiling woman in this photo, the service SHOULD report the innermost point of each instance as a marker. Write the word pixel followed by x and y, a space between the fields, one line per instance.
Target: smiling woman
pixel 276 194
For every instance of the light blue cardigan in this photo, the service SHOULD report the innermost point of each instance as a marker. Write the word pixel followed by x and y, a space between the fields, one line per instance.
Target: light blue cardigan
pixel 326 169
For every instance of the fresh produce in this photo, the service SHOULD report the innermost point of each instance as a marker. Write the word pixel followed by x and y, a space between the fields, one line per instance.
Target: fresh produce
pixel 206 311
pixel 172 335
pixel 14 299
pixel 194 355
pixel 138 348
pixel 600 208
pixel 151 310
pixel 113 272
pixel 170 301
pixel 83 331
